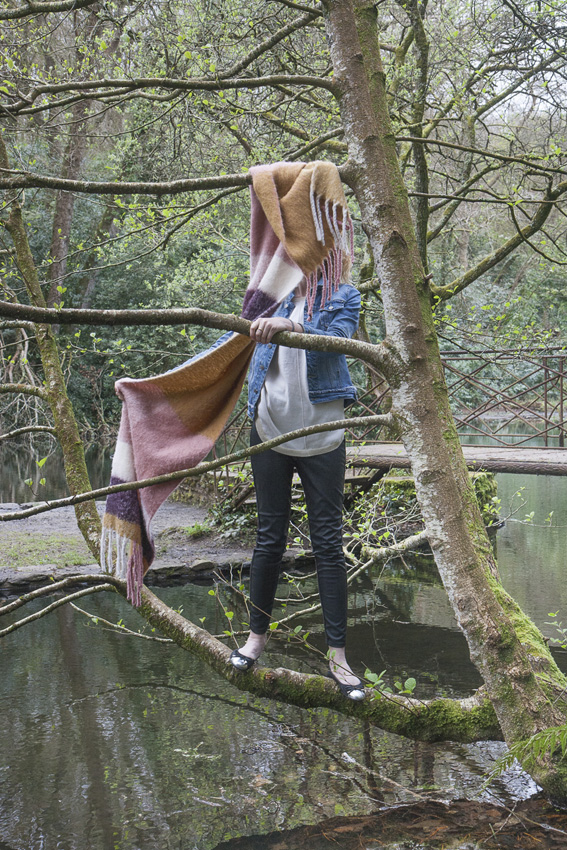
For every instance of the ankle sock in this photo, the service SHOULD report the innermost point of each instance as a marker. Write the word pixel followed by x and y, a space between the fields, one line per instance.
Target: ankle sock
pixel 254 646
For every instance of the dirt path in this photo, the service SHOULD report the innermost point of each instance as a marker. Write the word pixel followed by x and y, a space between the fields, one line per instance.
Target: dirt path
pixel 50 545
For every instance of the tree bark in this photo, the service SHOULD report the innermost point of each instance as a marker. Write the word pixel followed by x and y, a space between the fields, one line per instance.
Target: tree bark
pixel 55 389
pixel 64 204
pixel 500 638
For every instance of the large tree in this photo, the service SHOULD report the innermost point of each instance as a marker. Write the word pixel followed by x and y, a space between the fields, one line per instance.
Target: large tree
pixel 166 92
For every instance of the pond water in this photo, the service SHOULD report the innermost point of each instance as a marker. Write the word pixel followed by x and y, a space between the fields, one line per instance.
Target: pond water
pixel 111 741
pixel 23 472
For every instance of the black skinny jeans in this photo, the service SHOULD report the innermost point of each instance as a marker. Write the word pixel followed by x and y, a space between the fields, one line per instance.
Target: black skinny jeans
pixel 322 477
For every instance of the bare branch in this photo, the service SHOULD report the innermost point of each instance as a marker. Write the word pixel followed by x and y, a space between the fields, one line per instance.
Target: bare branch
pixel 270 42
pixel 28 180
pixel 28 429
pixel 529 162
pixel 120 630
pixel 201 469
pixel 301 7
pixel 491 260
pixel 191 316
pixel 96 87
pixel 87 591
pixel 42 8
pixel 54 587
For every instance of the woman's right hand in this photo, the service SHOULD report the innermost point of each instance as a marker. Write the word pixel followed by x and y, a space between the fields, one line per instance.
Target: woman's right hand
pixel 262 330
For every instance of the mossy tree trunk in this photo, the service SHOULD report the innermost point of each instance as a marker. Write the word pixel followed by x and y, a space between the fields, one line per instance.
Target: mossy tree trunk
pixel 500 639
pixel 55 389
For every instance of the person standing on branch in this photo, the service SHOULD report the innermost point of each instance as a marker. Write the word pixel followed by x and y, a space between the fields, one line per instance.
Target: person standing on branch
pixel 301 251
pixel 289 389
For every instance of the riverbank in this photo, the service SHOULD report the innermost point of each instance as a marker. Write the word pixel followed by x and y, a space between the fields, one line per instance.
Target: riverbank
pixel 49 546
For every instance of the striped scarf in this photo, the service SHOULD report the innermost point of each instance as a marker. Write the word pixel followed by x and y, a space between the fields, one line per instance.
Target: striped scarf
pixel 300 228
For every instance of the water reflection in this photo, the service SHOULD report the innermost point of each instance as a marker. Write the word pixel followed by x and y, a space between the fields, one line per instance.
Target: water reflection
pixel 114 742
pixel 21 465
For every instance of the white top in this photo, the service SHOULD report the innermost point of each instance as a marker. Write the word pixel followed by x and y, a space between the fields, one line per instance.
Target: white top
pixel 284 402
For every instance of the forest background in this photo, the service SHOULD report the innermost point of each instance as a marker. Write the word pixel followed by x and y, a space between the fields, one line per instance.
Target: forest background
pixel 482 82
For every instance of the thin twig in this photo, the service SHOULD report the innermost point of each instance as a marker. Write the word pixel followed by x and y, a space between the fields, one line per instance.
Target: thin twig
pixel 57 604
pixel 196 470
pixel 114 627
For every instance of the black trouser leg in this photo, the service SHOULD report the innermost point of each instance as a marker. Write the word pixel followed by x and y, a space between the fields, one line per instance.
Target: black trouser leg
pixel 273 473
pixel 322 477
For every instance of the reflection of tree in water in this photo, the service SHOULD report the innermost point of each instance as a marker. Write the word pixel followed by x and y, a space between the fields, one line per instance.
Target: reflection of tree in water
pixel 97 815
pixel 158 755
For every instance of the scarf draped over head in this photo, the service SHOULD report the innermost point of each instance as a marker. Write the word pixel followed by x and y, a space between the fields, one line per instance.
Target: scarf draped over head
pixel 300 228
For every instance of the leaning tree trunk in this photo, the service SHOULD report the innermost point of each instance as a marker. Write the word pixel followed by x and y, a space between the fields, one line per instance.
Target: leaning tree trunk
pixel 55 389
pixel 499 636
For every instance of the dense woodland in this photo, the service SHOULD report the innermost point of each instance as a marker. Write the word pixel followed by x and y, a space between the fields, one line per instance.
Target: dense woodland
pixel 482 82
pixel 127 133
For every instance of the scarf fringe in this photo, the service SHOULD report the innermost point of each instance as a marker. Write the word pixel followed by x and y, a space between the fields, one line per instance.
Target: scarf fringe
pixel 334 268
pixel 135 575
pixel 115 561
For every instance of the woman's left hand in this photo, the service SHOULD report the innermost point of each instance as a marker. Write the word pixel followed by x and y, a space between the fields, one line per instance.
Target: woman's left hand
pixel 262 330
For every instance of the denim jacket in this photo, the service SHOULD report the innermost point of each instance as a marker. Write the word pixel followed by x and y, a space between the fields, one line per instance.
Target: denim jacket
pixel 327 372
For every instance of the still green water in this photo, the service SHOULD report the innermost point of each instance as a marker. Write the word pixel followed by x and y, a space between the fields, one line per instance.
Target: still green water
pixel 110 741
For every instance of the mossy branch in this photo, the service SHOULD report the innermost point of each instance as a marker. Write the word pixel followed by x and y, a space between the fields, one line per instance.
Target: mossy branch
pixel 23 389
pixel 466 720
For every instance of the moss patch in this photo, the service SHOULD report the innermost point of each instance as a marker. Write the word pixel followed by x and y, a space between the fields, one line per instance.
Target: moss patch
pixel 22 549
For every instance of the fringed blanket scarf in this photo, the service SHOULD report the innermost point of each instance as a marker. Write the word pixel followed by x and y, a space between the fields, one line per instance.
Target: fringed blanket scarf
pixel 300 227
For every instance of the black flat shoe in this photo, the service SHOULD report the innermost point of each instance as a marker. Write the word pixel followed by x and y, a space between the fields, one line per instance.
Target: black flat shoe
pixel 354 692
pixel 241 662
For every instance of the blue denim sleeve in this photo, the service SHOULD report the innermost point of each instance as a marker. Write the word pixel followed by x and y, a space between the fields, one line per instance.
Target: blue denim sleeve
pixel 344 321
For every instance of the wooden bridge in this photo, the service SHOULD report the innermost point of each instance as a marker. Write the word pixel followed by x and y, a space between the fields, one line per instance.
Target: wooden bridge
pixel 525 460
pixel 509 407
